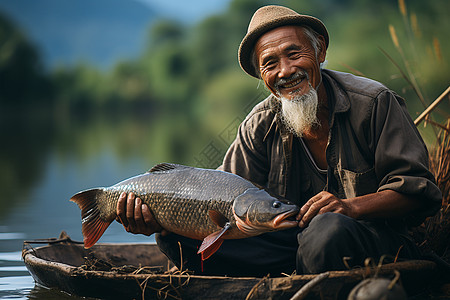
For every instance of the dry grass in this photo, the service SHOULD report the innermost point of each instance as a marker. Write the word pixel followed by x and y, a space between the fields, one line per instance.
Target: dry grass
pixel 434 233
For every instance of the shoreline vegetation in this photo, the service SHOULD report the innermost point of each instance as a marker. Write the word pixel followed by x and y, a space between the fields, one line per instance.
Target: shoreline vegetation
pixel 187 80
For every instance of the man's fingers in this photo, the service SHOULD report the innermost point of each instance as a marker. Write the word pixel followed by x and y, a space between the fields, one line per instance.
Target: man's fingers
pixel 140 222
pixel 130 212
pixel 320 204
pixel 148 217
pixel 121 208
pixel 311 213
pixel 307 206
pixel 304 210
pixel 312 208
pixel 136 216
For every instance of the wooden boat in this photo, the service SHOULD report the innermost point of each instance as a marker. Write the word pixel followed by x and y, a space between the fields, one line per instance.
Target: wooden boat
pixel 140 271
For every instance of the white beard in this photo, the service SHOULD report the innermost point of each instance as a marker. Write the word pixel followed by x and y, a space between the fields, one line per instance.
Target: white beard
pixel 299 114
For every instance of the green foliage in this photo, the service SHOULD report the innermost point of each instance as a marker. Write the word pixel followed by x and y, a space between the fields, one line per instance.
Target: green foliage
pixel 21 80
pixel 226 97
pixel 169 67
pixel 165 31
pixel 191 78
pixel 182 99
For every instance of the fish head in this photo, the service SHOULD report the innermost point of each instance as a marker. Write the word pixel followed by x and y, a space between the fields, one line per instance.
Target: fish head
pixel 256 212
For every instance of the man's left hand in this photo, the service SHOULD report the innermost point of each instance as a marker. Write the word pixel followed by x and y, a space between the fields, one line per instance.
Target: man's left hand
pixel 321 203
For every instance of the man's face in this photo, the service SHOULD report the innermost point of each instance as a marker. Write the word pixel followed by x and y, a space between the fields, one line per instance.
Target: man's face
pixel 287 61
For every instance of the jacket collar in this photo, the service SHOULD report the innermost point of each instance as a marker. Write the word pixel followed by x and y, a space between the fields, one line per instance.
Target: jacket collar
pixel 338 99
pixel 341 99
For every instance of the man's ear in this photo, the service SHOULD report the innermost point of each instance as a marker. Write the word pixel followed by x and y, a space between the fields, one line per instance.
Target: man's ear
pixel 322 51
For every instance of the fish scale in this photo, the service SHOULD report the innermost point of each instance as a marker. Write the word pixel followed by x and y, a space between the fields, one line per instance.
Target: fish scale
pixel 193 202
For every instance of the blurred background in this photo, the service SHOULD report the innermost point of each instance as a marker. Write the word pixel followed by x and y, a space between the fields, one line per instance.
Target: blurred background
pixel 92 92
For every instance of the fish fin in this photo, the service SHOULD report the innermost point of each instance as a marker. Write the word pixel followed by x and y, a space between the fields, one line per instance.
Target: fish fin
pixel 218 218
pixel 166 167
pixel 93 226
pixel 212 242
pixel 211 249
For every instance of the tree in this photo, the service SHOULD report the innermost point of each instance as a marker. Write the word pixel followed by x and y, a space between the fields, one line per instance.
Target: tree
pixel 21 79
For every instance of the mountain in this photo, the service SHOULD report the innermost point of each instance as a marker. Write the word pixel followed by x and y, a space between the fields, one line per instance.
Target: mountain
pixel 70 31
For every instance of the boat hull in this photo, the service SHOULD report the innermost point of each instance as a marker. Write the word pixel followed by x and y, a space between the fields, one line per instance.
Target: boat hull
pixel 62 264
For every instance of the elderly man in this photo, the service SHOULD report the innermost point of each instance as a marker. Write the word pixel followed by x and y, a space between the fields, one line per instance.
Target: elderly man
pixel 341 147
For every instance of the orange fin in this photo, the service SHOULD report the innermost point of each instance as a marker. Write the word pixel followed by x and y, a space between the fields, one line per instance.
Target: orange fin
pixel 212 242
pixel 93 226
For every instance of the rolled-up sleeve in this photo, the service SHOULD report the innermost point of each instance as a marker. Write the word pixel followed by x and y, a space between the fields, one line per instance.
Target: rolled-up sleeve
pixel 401 157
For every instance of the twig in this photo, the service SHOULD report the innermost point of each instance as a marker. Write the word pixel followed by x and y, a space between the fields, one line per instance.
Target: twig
pixel 255 287
pixel 304 290
pixel 357 72
pixel 428 120
pixel 181 257
pixel 398 253
pixel 408 80
pixel 411 78
pixel 432 106
pixel 395 280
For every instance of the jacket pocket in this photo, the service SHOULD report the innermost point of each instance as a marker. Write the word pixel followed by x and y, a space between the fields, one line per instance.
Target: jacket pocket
pixel 357 184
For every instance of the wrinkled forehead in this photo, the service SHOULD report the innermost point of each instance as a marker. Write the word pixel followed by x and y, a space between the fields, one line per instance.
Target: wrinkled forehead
pixel 281 38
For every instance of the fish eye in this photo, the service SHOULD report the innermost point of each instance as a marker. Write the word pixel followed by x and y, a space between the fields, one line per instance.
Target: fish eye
pixel 276 204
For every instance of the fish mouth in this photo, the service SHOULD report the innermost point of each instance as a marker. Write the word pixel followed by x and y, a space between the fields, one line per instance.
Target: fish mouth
pixel 285 220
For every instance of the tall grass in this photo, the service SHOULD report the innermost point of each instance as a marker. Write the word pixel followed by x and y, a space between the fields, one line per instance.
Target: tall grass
pixel 438 227
pixel 434 233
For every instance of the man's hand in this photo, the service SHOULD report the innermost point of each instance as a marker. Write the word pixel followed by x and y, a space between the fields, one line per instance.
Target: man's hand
pixel 136 217
pixel 321 203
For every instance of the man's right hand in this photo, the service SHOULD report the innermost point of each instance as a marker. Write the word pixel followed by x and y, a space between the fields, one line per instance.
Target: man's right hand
pixel 136 217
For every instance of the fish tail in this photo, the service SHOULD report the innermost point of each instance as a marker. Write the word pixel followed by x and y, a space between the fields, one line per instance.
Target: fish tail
pixel 93 225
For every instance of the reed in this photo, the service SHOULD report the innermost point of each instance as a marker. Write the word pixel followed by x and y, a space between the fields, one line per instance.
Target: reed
pixel 434 233
pixel 437 228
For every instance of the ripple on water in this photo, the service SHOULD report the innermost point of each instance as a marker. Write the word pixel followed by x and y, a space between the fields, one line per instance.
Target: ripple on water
pixel 12 236
pixel 15 287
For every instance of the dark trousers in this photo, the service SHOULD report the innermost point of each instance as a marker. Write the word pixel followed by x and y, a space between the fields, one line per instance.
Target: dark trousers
pixel 320 247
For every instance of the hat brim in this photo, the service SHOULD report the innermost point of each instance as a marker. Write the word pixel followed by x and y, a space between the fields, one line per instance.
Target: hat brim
pixel 250 39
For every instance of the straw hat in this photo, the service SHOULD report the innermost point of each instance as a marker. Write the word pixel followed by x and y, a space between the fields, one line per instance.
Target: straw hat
pixel 267 18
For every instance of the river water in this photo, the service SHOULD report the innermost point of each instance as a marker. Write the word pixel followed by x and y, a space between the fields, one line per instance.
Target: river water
pixel 49 211
pixel 43 163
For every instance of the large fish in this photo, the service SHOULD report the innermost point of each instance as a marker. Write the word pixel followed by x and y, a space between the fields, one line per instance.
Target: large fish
pixel 202 204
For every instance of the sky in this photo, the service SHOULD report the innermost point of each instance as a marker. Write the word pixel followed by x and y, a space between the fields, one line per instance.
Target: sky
pixel 187 11
pixel 99 32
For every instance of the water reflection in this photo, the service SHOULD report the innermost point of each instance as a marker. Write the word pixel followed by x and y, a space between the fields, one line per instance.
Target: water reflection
pixel 16 287
pixel 39 292
pixel 15 281
pixel 46 159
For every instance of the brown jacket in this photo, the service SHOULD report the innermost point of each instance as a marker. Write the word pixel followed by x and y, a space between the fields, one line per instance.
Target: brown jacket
pixel 373 145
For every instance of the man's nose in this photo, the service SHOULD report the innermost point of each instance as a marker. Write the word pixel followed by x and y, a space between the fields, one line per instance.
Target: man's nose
pixel 287 68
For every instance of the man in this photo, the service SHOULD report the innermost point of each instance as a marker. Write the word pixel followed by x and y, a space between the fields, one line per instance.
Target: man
pixel 341 147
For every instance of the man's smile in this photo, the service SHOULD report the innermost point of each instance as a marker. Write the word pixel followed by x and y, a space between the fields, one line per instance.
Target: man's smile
pixel 292 83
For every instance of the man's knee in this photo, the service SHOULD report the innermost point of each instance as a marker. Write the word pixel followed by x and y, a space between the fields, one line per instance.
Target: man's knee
pixel 327 228
pixel 325 242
